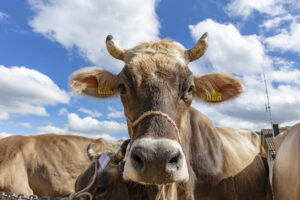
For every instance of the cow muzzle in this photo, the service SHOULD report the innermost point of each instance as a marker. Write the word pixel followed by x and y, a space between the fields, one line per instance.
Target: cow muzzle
pixel 155 161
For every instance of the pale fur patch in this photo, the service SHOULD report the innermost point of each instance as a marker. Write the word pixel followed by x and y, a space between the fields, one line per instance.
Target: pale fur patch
pixel 155 50
pixel 150 143
pixel 241 146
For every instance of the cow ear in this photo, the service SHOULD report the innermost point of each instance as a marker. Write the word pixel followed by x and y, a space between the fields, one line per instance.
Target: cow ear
pixel 95 82
pixel 85 177
pixel 217 87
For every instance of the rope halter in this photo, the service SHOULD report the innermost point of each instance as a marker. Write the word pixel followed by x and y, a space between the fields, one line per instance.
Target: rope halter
pixel 148 113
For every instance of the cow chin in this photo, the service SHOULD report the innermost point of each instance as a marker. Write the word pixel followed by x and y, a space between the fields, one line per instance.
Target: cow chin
pixel 155 161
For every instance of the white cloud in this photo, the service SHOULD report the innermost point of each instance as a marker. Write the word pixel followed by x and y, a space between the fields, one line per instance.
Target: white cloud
pixel 90 125
pixel 114 113
pixel 286 75
pixel 245 8
pixel 92 113
pixel 25 124
pixel 4 115
pixel 62 111
pixel 27 92
pixel 3 134
pixel 84 24
pixel 87 126
pixel 52 129
pixel 282 18
pixel 231 52
pixel 228 50
pixel 105 136
pixel 248 110
pixel 3 16
pixel 286 40
pixel 275 22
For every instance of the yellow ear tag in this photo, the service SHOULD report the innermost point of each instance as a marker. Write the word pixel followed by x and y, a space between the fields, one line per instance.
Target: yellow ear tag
pixel 214 97
pixel 104 91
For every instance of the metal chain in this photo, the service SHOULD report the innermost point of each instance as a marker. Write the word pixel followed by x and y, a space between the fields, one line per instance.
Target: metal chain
pixel 13 196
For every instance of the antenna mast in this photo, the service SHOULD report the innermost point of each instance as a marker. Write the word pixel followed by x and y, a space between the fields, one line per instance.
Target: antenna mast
pixel 268 105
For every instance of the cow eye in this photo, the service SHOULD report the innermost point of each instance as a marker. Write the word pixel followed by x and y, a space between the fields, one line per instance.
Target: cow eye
pixel 122 88
pixel 191 89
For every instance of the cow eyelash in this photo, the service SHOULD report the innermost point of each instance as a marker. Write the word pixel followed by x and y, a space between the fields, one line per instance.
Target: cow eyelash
pixel 188 92
pixel 122 88
pixel 191 89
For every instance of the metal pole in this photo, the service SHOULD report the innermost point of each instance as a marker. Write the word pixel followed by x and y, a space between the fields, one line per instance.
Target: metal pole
pixel 268 106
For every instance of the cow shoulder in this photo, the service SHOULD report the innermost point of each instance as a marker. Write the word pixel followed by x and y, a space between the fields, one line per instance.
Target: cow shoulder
pixel 240 148
pixel 280 138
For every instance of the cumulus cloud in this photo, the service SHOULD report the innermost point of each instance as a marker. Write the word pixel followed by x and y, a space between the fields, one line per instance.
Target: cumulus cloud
pixel 245 8
pixel 231 52
pixel 248 110
pixel 52 129
pixel 26 91
pixel 93 126
pixel 92 113
pixel 84 25
pixel 286 75
pixel 114 113
pixel 4 134
pixel 286 40
pixel 87 126
pixel 228 50
pixel 275 22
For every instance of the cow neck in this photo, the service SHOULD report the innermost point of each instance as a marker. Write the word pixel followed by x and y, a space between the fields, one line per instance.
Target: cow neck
pixel 203 148
pixel 132 124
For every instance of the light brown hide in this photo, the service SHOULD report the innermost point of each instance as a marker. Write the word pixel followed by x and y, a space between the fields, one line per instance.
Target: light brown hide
pixel 45 164
pixel 286 179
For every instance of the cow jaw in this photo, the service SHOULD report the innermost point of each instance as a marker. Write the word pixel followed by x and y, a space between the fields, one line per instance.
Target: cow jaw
pixel 155 161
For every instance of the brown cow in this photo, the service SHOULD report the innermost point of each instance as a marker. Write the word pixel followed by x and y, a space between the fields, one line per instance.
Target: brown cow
pixel 171 142
pixel 45 164
pixel 286 179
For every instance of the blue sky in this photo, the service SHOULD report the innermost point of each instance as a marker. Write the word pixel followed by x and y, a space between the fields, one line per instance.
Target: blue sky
pixel 43 42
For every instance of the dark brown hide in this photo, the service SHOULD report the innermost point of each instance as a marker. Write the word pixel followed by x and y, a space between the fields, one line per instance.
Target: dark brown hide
pixel 109 185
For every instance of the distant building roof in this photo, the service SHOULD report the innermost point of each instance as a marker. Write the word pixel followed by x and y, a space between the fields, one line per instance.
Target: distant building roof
pixel 268 136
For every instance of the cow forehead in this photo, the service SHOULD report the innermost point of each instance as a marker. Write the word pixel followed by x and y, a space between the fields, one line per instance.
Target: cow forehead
pixel 152 59
pixel 157 51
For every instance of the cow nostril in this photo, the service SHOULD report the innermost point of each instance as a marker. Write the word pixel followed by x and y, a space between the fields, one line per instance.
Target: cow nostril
pixel 173 164
pixel 174 159
pixel 138 162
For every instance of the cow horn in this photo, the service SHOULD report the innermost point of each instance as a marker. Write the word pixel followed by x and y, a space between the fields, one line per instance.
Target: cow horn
pixel 199 49
pixel 113 48
pixel 119 156
pixel 90 151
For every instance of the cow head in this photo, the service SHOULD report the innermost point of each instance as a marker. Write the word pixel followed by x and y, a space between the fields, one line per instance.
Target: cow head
pixel 156 88
pixel 105 181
